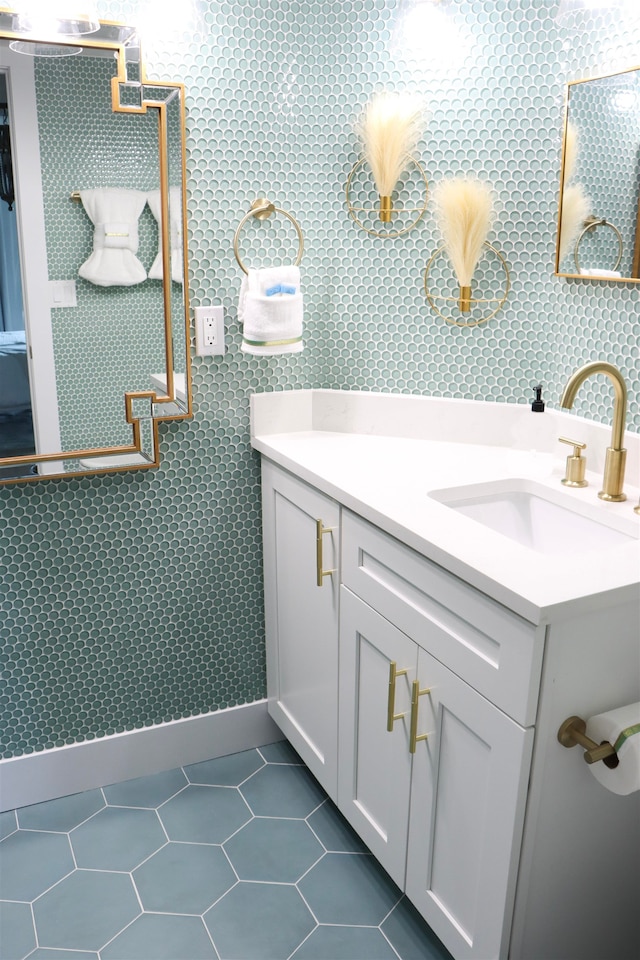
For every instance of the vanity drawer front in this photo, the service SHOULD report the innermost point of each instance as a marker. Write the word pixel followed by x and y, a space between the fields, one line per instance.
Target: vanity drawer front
pixel 484 643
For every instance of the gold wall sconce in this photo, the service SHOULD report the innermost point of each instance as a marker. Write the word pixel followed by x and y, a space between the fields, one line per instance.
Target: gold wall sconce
pixel 464 212
pixel 438 271
pixel 389 130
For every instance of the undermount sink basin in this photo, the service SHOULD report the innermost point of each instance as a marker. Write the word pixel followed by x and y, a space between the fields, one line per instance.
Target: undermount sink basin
pixel 538 517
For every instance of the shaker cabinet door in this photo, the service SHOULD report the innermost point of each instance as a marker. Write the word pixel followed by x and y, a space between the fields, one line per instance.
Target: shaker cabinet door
pixel 467 809
pixel 301 611
pixel 374 762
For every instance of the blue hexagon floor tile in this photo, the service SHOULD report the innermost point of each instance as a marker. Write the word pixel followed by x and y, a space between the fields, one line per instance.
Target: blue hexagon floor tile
pixel 280 920
pixel 282 791
pixel 225 771
pixel 31 862
pixel 146 791
pixel 17 938
pixel 8 823
pixel 117 838
pixel 344 943
pixel 237 858
pixel 87 910
pixel 61 815
pixel 157 936
pixel 272 849
pixel 184 878
pixel 349 887
pixel 204 814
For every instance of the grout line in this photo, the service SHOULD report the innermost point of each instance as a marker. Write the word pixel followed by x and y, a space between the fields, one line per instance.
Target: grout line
pixel 208 933
pixel 173 795
pixel 321 857
pixel 162 827
pixel 53 885
pixel 105 945
pixel 389 941
pixel 136 891
pixel 292 955
pixel 222 896
pixel 306 903
pixel 229 861
pixel 146 859
pixel 35 929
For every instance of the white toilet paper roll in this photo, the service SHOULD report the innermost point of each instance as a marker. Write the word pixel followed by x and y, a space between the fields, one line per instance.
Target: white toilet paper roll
pixel 621 727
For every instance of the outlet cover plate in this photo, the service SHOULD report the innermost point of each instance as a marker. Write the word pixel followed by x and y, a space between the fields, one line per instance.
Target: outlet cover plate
pixel 209 324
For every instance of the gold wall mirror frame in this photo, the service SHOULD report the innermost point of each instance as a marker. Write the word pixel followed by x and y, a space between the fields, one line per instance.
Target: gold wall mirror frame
pixel 599 200
pixel 108 402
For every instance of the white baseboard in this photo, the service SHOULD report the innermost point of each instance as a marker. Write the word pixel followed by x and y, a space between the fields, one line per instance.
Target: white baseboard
pixel 60 771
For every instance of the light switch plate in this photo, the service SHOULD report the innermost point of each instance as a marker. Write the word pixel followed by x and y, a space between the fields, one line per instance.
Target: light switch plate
pixel 62 293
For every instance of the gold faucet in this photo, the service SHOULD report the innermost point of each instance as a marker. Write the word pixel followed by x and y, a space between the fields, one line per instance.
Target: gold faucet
pixel 616 455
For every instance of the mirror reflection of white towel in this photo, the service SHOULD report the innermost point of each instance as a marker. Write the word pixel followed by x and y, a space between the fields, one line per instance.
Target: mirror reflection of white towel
pixel 599 273
pixel 270 310
pixel 175 234
pixel 115 215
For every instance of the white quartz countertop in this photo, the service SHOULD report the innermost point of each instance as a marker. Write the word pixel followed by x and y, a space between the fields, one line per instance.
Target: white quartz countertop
pixel 381 455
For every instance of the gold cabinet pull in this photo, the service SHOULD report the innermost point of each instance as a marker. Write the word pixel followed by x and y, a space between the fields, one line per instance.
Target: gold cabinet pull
pixel 392 716
pixel 416 693
pixel 320 531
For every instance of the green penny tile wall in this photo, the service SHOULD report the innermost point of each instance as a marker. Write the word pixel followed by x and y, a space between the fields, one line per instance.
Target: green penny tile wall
pixel 133 599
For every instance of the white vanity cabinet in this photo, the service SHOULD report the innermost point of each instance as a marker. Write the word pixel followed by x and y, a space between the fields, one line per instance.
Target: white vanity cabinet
pixel 301 618
pixel 509 844
pixel 446 820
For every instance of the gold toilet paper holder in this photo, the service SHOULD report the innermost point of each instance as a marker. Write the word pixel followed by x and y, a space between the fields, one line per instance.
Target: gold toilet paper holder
pixel 572 732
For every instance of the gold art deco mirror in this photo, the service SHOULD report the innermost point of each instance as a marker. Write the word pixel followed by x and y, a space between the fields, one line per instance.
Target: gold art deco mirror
pixel 94 328
pixel 599 215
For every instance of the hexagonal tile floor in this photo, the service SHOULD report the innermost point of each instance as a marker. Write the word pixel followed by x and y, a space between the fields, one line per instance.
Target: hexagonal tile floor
pixel 239 858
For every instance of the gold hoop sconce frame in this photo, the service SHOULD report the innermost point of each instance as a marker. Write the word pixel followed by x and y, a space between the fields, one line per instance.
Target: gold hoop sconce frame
pixel 393 233
pixel 590 224
pixel 261 209
pixel 499 301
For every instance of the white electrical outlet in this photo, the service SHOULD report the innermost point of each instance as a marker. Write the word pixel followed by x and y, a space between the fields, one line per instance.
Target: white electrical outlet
pixel 209 323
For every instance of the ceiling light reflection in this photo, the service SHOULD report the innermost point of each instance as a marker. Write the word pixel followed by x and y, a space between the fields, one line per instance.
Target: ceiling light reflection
pixel 425 31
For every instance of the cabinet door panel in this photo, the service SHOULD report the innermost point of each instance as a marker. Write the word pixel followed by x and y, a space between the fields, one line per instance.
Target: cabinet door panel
pixel 467 810
pixel 374 764
pixel 302 621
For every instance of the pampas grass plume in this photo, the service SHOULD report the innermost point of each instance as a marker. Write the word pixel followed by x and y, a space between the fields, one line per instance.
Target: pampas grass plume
pixel 389 131
pixel 464 213
pixel 576 207
pixel 571 147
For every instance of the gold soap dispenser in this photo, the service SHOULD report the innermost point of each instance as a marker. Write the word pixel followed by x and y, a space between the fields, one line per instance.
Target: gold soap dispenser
pixel 576 464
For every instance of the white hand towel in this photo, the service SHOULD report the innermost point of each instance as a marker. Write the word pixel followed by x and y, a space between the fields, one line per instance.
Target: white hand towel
pixel 175 234
pixel 270 310
pixel 114 214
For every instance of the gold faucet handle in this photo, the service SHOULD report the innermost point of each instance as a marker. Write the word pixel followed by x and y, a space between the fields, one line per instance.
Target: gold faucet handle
pixel 576 464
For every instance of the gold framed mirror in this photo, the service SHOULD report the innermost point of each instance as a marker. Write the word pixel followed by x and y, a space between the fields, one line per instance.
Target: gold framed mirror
pixel 598 236
pixel 94 313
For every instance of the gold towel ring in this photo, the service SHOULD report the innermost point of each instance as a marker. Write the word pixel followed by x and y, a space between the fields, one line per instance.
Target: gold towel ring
pixel 261 209
pixel 590 224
